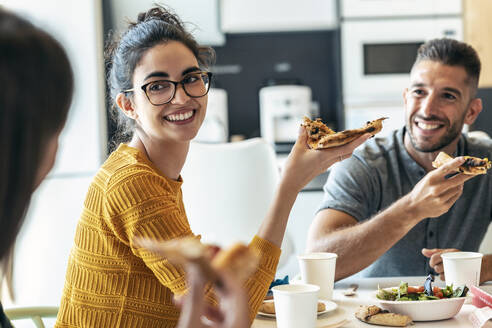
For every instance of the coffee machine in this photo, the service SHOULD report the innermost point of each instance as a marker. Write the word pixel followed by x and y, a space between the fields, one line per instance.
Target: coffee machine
pixel 282 108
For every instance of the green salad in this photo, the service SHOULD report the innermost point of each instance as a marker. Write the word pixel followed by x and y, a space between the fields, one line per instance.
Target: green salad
pixel 420 293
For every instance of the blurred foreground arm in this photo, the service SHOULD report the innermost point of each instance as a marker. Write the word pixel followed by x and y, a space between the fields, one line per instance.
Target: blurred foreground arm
pixel 233 306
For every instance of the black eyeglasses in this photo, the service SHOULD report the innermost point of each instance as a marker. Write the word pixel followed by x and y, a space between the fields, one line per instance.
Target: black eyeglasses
pixel 195 85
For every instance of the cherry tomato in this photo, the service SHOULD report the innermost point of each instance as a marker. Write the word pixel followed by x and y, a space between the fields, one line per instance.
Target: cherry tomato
pixel 412 290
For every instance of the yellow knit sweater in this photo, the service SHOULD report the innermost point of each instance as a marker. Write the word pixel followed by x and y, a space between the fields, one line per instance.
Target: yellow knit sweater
pixel 112 283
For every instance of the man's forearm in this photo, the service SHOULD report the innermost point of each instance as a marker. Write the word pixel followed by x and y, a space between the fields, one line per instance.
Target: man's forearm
pixel 360 245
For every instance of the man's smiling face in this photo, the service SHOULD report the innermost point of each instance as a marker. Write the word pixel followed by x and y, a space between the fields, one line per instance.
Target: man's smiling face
pixel 436 104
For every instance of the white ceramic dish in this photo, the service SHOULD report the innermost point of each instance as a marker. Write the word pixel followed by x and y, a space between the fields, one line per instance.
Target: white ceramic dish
pixel 424 310
pixel 329 306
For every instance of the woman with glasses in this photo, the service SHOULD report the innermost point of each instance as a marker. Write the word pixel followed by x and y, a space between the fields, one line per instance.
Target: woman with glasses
pixel 159 82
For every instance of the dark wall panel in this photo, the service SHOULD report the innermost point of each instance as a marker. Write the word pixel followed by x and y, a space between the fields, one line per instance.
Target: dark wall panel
pixel 249 61
pixel 484 120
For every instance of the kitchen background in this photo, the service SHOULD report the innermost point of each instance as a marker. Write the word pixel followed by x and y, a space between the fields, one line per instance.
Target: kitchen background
pixel 345 61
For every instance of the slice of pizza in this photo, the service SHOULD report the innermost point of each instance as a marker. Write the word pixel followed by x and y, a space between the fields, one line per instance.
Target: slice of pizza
pixel 238 259
pixel 472 165
pixel 321 136
pixel 377 316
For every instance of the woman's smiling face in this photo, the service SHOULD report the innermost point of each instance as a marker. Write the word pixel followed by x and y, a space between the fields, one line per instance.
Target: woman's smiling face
pixel 180 119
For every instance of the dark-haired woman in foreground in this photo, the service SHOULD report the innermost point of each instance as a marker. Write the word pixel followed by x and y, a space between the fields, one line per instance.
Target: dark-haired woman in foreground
pixel 158 80
pixel 36 92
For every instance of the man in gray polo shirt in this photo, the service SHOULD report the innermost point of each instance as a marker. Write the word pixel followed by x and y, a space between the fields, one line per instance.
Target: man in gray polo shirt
pixel 386 211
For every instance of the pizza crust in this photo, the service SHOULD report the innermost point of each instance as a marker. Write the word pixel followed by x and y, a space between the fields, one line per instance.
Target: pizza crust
pixel 238 259
pixel 377 316
pixel 472 165
pixel 320 136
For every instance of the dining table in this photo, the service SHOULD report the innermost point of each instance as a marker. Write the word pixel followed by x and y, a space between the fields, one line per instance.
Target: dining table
pixel 343 316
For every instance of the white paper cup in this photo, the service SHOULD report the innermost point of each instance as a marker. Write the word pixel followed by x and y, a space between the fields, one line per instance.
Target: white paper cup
pixel 319 269
pixel 296 305
pixel 462 268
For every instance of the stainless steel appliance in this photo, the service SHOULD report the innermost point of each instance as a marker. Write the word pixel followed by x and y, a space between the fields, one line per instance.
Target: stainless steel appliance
pixel 377 54
pixel 282 108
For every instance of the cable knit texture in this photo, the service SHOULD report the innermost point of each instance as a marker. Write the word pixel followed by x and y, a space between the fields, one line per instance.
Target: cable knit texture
pixel 112 283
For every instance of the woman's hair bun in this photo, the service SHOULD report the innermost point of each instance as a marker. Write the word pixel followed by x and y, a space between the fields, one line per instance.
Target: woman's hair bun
pixel 159 13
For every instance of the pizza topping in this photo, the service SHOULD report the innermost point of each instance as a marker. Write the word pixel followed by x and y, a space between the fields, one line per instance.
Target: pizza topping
pixel 475 162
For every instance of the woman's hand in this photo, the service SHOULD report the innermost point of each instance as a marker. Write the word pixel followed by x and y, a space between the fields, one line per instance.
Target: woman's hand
pixel 304 163
pixel 233 306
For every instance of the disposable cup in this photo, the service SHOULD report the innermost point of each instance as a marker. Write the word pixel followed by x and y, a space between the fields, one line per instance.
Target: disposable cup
pixel 462 268
pixel 319 269
pixel 296 305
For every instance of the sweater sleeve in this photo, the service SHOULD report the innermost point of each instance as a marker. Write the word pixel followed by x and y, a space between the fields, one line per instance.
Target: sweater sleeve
pixel 145 206
pixel 258 284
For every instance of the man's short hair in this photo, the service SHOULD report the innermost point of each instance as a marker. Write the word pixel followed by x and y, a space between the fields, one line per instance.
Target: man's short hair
pixel 453 53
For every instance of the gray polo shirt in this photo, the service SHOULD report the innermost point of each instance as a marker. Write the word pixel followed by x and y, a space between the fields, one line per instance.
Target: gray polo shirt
pixel 380 172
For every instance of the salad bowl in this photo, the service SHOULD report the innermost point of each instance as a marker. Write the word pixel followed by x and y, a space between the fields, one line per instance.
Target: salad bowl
pixel 423 303
pixel 428 310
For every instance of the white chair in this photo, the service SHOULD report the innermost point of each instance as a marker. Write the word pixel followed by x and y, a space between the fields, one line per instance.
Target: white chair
pixel 228 189
pixel 35 313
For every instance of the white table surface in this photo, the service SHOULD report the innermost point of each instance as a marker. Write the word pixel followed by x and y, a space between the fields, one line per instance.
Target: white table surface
pixel 365 296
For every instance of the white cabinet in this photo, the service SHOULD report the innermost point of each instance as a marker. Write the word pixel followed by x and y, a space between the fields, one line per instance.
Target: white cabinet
pixel 200 16
pixel 239 16
pixel 393 8
pixel 78 27
pixel 42 247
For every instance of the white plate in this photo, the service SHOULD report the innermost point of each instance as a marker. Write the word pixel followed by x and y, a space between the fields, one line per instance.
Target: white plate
pixel 424 310
pixel 329 306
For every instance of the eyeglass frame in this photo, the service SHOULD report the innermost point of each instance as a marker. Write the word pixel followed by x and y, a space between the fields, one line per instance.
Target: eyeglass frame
pixel 144 87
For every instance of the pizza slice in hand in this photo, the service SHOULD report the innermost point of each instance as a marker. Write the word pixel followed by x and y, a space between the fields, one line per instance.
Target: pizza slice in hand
pixel 472 165
pixel 238 259
pixel 320 136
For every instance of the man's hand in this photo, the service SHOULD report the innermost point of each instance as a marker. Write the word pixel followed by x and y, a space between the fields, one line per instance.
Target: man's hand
pixel 438 190
pixel 436 260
